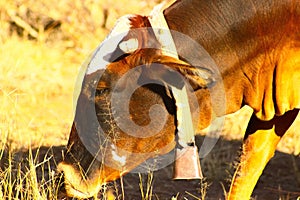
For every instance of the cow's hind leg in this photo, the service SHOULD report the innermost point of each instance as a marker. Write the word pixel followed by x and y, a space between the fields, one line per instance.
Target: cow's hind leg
pixel 259 146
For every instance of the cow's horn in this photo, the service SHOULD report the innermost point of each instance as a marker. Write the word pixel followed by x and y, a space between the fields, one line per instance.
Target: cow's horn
pixel 129 46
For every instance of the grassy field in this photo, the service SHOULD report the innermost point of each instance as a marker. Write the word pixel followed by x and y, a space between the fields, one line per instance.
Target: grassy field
pixel 38 75
pixel 38 70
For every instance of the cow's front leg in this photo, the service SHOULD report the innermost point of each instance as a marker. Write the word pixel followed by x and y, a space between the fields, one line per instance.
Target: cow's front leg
pixel 259 146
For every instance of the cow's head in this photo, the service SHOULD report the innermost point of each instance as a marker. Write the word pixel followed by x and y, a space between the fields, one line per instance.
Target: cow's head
pixel 125 114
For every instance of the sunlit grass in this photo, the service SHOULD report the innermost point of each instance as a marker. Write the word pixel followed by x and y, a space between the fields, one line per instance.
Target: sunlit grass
pixel 146 194
pixel 20 178
pixel 35 93
pixel 37 79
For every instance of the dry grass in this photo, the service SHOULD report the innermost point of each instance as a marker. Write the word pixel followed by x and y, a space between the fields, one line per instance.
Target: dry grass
pixel 38 76
pixel 38 71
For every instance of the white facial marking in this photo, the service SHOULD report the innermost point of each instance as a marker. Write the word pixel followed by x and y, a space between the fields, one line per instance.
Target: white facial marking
pixel 116 157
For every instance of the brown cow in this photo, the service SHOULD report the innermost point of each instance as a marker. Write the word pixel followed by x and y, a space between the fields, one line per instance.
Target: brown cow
pixel 256 46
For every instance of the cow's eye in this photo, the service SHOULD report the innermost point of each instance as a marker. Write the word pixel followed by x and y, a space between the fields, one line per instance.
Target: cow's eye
pixel 101 91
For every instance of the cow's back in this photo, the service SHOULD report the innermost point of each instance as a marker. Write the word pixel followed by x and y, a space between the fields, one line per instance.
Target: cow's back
pixel 255 45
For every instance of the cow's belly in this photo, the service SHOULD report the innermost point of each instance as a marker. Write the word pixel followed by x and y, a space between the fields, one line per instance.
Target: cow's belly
pixel 287 82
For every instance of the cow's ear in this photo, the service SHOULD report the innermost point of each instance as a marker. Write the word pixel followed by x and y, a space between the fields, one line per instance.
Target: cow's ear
pixel 198 77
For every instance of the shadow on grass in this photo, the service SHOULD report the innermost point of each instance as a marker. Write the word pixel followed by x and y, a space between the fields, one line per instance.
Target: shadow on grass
pixel 29 174
pixel 279 179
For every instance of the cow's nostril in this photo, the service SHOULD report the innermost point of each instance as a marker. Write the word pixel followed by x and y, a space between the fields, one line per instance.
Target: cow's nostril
pixel 59 180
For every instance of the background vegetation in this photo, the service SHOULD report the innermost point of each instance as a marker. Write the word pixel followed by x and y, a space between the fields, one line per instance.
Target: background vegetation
pixel 42 46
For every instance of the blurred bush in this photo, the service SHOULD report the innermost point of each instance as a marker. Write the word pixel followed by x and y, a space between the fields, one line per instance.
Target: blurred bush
pixel 75 22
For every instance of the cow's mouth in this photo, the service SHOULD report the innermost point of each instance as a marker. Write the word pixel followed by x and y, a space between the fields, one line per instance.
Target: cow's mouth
pixel 72 184
pixel 67 189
